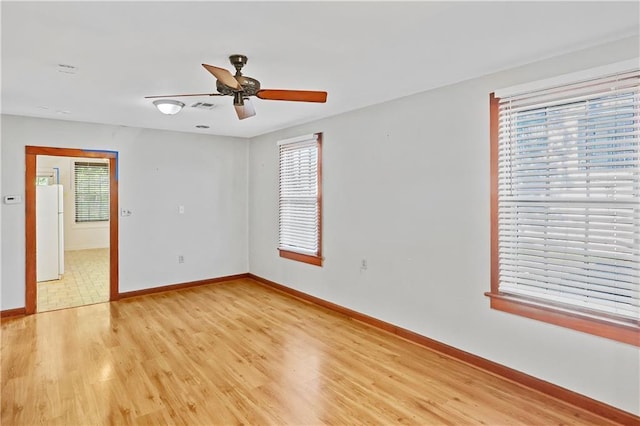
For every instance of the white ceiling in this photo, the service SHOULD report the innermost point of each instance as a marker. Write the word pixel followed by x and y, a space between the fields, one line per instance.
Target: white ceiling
pixel 361 53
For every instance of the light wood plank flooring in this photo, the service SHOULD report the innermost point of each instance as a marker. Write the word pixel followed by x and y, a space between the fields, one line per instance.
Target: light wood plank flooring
pixel 238 352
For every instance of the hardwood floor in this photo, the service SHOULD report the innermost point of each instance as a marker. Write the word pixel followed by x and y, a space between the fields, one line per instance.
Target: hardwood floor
pixel 239 352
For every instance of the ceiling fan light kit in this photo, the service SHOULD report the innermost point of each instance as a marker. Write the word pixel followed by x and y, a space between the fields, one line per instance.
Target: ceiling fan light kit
pixel 241 88
pixel 168 106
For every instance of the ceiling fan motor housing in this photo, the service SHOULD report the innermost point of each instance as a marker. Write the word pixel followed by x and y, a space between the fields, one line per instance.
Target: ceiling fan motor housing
pixel 250 86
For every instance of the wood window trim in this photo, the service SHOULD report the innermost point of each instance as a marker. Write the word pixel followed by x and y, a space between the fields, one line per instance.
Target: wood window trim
pixel 608 326
pixel 305 258
pixel 31 153
pixel 312 259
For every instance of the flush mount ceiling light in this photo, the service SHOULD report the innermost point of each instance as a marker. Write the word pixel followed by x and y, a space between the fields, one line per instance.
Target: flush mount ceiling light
pixel 168 106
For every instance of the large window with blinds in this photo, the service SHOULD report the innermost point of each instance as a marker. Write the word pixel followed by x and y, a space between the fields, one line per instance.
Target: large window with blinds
pixel 300 199
pixel 566 205
pixel 91 184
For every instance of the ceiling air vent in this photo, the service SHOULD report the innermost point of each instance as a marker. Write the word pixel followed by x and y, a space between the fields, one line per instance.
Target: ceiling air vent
pixel 203 105
pixel 67 69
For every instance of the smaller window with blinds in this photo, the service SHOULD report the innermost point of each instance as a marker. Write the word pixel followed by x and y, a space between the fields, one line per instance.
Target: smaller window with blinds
pixel 565 204
pixel 300 199
pixel 91 186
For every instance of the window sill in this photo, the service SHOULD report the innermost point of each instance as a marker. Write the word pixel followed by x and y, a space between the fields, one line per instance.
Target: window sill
pixel 90 225
pixel 610 327
pixel 305 258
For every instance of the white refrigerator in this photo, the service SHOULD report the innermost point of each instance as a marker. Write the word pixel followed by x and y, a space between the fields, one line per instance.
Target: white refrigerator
pixel 49 232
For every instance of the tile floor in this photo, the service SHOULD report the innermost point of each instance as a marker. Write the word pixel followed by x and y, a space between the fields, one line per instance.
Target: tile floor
pixel 85 281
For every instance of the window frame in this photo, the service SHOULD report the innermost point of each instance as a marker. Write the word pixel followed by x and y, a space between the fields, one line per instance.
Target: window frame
pixel 575 318
pixel 88 223
pixel 312 259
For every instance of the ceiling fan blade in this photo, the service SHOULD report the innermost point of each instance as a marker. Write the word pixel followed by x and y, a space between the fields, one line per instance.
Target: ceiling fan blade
pixel 224 76
pixel 184 95
pixel 246 110
pixel 292 95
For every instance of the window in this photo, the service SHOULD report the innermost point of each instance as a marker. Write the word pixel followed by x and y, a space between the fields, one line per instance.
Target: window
pixel 566 205
pixel 43 180
pixel 91 192
pixel 300 199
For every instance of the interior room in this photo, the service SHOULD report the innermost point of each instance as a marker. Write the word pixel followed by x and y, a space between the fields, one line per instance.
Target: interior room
pixel 81 244
pixel 312 231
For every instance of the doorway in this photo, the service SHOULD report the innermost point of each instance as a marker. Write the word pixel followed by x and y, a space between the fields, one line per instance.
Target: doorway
pixel 72 232
pixel 31 180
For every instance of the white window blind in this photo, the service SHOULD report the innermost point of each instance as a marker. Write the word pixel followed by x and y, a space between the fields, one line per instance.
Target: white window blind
pixel 91 191
pixel 299 208
pixel 569 195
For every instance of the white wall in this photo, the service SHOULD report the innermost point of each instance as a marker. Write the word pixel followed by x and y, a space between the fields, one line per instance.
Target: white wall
pixel 158 171
pixel 77 236
pixel 406 186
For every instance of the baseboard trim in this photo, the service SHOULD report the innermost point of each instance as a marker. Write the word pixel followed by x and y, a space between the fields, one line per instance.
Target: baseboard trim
pixel 12 312
pixel 560 393
pixel 180 286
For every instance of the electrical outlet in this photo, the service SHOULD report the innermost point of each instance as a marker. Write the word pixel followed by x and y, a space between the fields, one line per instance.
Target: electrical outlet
pixel 363 265
pixel 180 258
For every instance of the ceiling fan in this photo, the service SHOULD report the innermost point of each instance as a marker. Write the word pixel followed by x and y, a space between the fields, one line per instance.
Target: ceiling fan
pixel 242 87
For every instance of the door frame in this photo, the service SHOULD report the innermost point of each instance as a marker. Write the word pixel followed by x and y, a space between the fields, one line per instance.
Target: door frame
pixel 31 153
